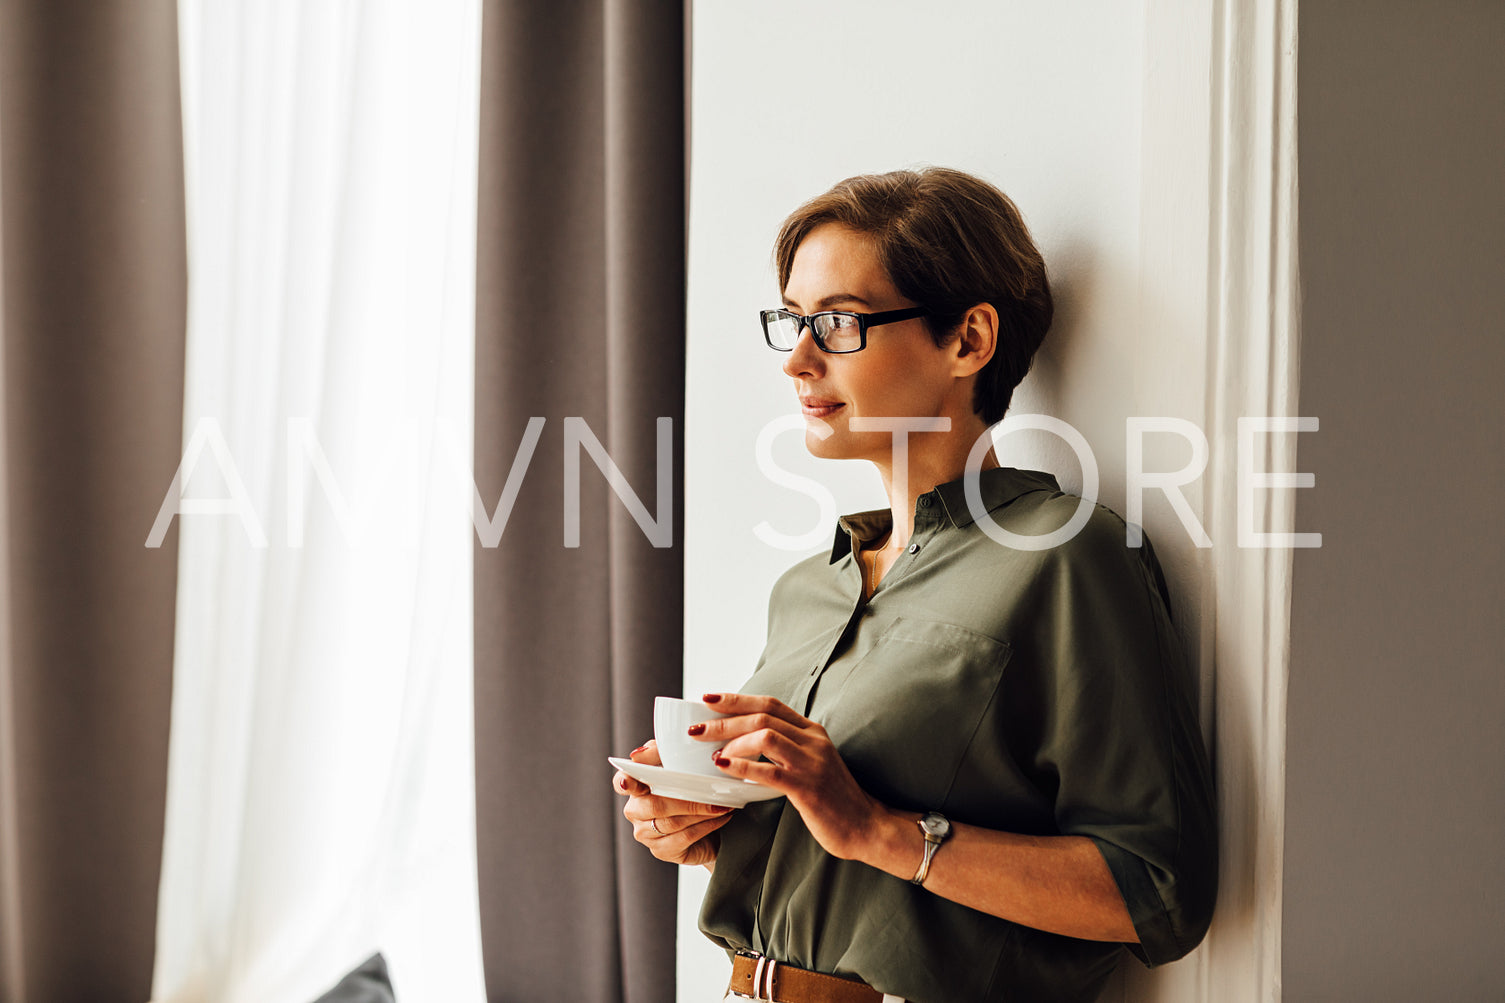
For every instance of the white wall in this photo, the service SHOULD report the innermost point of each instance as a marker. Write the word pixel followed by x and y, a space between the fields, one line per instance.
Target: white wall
pixel 1047 101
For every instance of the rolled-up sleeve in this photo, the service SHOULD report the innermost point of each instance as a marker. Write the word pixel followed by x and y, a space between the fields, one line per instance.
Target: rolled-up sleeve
pixel 1119 742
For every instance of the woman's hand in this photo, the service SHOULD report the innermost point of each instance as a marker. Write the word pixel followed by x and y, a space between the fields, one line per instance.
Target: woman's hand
pixel 1056 883
pixel 680 832
pixel 802 763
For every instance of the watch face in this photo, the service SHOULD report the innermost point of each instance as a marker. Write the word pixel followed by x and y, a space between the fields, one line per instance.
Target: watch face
pixel 936 825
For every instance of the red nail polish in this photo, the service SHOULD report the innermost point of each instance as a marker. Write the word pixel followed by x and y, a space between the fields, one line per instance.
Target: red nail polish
pixel 720 759
pixel 697 729
pixel 634 752
pixel 711 698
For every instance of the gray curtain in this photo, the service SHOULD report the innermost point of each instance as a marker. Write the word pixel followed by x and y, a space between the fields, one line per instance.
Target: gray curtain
pixel 580 313
pixel 93 288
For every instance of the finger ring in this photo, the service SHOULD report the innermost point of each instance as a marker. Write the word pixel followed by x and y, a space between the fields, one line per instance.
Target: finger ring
pixel 654 823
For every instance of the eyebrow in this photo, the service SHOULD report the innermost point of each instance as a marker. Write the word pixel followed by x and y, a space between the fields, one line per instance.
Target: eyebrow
pixel 826 302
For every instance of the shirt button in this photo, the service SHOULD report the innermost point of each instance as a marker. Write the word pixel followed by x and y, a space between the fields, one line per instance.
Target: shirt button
pixel 924 501
pixel 914 548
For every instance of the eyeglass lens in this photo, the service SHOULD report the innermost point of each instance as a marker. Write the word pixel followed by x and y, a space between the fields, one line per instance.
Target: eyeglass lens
pixel 835 332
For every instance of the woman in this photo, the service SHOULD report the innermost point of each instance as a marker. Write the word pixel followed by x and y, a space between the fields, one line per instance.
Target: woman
pixel 994 776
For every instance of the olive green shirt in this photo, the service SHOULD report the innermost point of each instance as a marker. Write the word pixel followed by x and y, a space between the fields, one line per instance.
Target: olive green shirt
pixel 1040 692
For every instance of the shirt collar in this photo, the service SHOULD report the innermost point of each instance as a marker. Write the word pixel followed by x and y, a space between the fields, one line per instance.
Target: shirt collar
pixel 996 487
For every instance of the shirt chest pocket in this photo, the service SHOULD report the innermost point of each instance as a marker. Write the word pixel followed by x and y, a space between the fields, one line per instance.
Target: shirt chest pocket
pixel 906 712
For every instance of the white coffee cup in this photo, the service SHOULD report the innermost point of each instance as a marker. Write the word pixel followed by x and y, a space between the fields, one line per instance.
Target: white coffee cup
pixel 679 752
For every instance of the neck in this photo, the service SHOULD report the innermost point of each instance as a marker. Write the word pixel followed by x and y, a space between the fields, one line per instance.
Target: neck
pixel 933 458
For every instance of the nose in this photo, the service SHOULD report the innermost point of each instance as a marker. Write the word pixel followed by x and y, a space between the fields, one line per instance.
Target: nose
pixel 805 359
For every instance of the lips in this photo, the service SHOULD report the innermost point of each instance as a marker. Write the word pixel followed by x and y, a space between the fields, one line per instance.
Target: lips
pixel 819 407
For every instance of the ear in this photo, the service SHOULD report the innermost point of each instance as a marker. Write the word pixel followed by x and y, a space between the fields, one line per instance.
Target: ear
pixel 977 341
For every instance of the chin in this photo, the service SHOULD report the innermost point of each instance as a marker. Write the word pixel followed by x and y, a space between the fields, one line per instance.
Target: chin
pixel 818 445
pixel 824 441
pixel 827 443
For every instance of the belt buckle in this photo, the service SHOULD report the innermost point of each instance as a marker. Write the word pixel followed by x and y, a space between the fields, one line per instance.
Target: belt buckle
pixel 762 977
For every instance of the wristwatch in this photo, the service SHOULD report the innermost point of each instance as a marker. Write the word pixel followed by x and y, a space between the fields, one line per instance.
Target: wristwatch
pixel 936 827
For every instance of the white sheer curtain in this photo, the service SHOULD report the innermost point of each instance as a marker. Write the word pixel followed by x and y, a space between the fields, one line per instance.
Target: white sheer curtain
pixel 320 801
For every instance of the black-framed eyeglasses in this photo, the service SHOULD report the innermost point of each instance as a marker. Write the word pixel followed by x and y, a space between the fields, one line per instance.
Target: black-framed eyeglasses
pixel 834 331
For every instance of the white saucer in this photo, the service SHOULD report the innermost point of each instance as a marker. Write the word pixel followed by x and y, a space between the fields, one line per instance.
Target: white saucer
pixel 726 791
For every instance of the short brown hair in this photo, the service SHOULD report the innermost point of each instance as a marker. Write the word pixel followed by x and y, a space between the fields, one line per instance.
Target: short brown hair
pixel 949 242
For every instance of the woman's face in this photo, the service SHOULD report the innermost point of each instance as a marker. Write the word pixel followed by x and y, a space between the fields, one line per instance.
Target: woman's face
pixel 901 373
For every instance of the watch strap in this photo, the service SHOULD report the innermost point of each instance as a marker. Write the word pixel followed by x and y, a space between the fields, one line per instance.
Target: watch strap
pixel 931 845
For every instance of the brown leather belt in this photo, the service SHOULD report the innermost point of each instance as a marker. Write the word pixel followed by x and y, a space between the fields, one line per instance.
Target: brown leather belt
pixel 755 977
